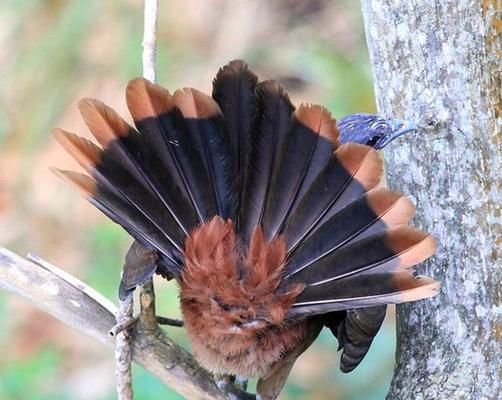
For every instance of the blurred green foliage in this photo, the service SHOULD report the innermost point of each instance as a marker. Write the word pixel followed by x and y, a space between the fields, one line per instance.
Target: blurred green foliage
pixel 30 378
pixel 53 52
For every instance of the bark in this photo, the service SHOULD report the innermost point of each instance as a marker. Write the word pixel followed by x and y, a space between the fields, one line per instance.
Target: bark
pixel 437 62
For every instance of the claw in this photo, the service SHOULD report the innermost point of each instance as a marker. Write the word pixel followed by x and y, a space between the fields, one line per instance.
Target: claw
pixel 224 382
pixel 241 383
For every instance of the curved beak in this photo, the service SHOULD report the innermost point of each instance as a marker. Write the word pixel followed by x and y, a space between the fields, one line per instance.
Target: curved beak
pixel 401 127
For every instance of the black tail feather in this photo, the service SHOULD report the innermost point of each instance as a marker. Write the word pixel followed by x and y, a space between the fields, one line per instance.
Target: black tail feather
pixel 308 144
pixel 234 91
pixel 363 291
pixel 269 129
pixel 126 215
pixel 124 144
pixel 153 110
pixel 352 170
pixel 375 212
pixel 206 126
pixel 385 252
pixel 111 175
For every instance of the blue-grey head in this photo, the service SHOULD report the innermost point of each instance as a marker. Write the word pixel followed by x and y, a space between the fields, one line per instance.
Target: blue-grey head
pixel 372 130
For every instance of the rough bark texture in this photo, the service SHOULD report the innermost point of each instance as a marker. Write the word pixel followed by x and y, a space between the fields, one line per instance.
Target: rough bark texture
pixel 438 62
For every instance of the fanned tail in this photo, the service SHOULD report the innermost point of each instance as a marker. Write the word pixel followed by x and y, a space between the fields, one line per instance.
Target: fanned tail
pixel 247 156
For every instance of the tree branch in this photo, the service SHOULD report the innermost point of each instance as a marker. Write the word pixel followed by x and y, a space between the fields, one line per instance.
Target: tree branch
pixel 76 304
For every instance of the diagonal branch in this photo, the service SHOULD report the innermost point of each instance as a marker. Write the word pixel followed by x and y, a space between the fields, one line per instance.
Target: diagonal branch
pixel 76 304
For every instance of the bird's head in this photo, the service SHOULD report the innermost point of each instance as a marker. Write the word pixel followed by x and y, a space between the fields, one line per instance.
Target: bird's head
pixel 372 130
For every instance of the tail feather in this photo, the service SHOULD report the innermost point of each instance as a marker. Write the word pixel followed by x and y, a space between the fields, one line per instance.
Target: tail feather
pixel 154 113
pixel 320 120
pixel 269 129
pixel 112 176
pixel 375 212
pixel 387 252
pixel 113 134
pixel 352 170
pixel 124 144
pixel 372 272
pixel 234 91
pixel 121 212
pixel 355 331
pixel 309 142
pixel 206 125
pixel 363 291
pixel 163 125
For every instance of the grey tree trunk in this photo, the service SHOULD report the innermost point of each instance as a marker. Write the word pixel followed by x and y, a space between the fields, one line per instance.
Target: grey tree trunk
pixel 438 62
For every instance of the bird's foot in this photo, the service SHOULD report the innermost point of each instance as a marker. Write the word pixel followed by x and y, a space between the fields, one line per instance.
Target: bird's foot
pixel 224 382
pixel 233 387
pixel 241 383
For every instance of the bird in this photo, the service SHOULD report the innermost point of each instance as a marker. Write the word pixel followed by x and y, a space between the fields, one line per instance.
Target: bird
pixel 266 214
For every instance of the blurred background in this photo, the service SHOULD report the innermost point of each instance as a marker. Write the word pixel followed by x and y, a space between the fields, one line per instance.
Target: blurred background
pixel 54 52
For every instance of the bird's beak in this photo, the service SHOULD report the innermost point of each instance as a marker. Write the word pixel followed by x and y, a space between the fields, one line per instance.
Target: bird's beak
pixel 401 127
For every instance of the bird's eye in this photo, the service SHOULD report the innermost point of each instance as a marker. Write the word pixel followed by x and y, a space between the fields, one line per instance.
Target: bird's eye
pixel 372 140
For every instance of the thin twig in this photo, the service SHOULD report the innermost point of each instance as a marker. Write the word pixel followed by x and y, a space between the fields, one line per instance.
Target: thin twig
pixel 123 350
pixel 150 40
pixel 119 327
pixel 123 346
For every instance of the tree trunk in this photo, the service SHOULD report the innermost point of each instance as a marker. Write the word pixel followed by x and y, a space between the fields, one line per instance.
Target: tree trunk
pixel 437 62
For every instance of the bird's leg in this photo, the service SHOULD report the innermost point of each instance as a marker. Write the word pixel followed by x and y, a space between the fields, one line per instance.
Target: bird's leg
pixel 139 267
pixel 269 386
